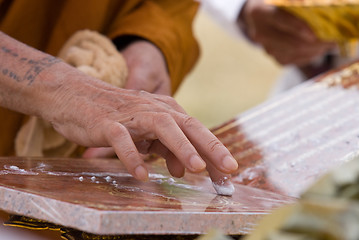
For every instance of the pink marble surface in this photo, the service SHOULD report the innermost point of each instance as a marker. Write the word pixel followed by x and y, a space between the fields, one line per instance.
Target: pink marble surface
pixel 100 197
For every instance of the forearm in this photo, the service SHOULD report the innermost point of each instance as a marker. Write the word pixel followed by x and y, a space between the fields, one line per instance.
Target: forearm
pixel 22 71
pixel 33 82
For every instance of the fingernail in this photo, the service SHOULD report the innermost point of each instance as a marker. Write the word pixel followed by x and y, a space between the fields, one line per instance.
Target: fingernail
pixel 196 163
pixel 230 164
pixel 224 187
pixel 141 173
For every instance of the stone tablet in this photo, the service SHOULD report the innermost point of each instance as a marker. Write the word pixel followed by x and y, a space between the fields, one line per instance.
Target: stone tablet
pixel 99 196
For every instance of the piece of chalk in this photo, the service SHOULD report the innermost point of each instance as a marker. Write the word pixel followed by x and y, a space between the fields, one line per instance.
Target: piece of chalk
pixel 225 189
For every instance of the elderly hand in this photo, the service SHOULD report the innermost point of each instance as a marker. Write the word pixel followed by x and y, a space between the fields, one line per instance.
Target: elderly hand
pixel 147 71
pixel 93 113
pixel 285 37
pixel 147 68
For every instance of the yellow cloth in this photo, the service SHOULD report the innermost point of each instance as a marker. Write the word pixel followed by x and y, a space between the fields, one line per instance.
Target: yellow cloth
pixel 46 25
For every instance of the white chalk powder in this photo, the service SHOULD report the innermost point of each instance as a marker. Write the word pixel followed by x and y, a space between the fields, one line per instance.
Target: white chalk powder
pixel 224 187
pixel 15 168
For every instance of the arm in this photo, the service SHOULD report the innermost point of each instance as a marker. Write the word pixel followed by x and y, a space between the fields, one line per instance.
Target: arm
pixel 92 113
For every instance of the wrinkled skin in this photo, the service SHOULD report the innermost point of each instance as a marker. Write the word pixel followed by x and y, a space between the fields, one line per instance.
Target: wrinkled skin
pixel 147 68
pixel 93 113
pixel 283 36
pixel 134 122
pixel 147 72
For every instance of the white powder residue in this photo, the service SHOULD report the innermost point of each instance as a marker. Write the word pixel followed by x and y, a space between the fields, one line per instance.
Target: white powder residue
pixel 16 170
pixel 225 190
pixel 156 176
pixel 223 187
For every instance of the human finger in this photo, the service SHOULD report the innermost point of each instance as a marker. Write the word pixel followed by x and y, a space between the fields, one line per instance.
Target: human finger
pixel 221 182
pixel 208 145
pixel 120 139
pixel 172 137
pixel 174 166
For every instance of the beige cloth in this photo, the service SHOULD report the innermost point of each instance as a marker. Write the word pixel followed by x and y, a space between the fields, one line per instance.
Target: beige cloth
pixel 91 53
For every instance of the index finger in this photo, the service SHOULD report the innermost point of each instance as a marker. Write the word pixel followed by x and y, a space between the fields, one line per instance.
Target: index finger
pixel 221 182
pixel 208 145
pixel 120 139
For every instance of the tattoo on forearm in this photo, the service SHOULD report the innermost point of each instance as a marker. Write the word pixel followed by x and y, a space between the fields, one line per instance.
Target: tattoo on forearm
pixel 9 51
pixel 36 66
pixel 11 74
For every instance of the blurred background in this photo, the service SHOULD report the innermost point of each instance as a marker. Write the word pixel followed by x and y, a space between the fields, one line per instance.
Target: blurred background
pixel 230 77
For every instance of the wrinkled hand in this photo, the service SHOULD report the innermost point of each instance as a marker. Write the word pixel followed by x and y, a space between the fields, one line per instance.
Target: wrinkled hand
pixel 285 37
pixel 96 114
pixel 147 71
pixel 147 68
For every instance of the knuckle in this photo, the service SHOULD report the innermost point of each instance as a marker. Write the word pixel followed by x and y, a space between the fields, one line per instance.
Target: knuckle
pixel 162 120
pixel 189 121
pixel 168 99
pixel 116 131
pixel 129 154
pixel 214 145
pixel 182 144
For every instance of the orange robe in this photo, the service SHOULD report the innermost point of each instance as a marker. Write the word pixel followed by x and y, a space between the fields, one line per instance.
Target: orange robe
pixel 47 24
